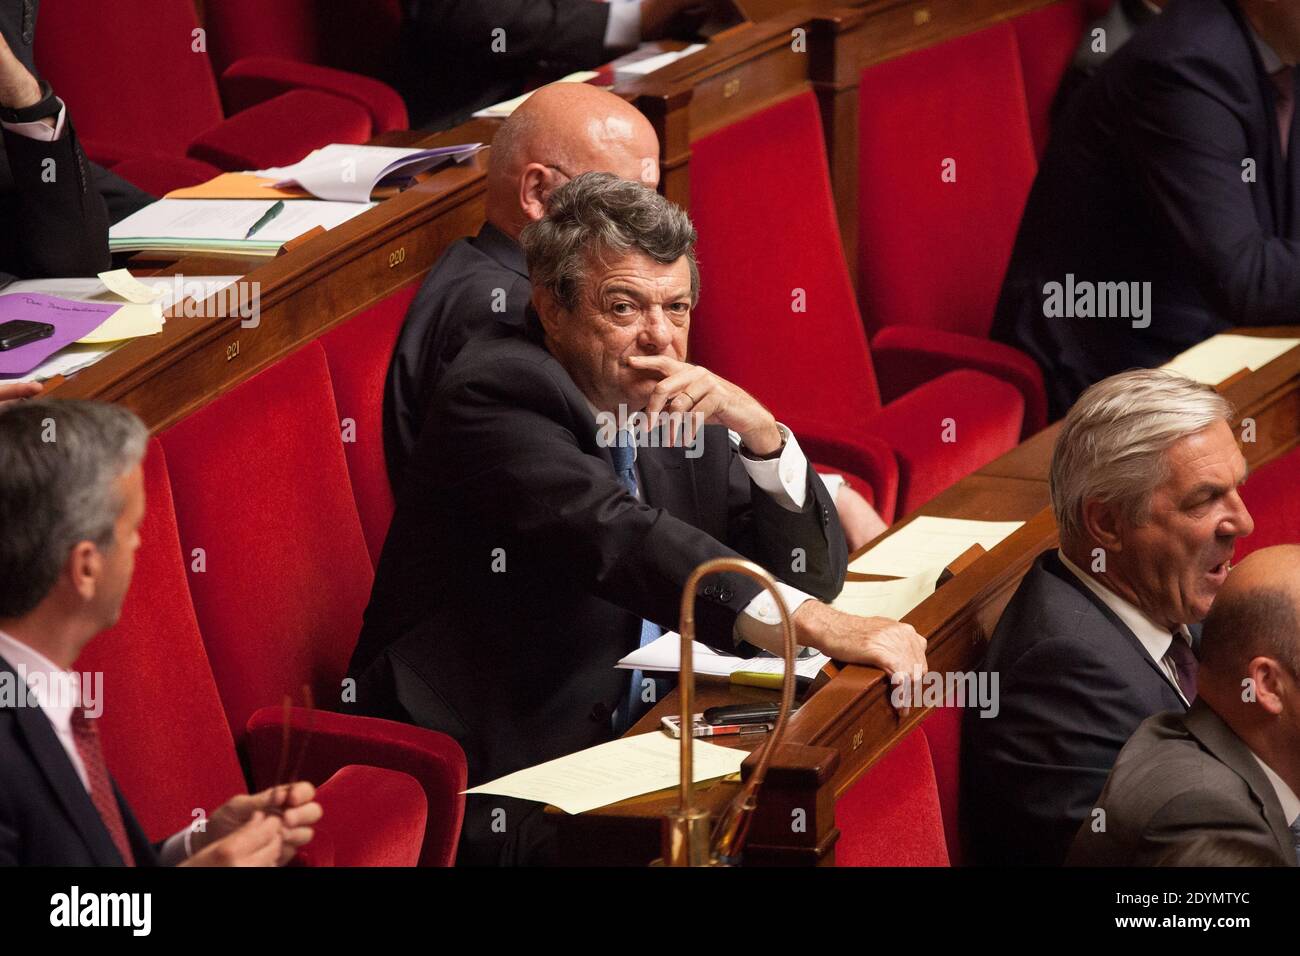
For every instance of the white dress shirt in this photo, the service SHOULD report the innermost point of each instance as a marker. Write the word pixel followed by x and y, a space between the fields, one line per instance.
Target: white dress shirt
pixel 1154 638
pixel 623 29
pixel 55 695
pixel 1285 795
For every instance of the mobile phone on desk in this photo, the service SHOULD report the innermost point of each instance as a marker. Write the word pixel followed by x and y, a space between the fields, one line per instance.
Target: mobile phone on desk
pixel 19 332
pixel 672 726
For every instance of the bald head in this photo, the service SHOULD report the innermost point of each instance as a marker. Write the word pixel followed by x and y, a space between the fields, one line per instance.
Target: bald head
pixel 564 130
pixel 1255 616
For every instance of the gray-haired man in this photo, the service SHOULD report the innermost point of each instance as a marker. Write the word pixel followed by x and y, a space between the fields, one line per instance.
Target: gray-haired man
pixel 71 503
pixel 533 547
pixel 1100 634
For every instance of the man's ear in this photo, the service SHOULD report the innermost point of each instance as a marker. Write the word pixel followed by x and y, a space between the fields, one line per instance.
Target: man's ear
pixel 1268 677
pixel 548 310
pixel 532 191
pixel 1103 523
pixel 84 568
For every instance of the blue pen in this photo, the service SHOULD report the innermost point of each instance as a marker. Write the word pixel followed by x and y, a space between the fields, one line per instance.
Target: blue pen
pixel 267 216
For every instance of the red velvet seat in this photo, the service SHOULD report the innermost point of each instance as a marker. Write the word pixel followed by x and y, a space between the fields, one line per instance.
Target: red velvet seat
pixel 261 485
pixel 358 352
pixel 1047 38
pixel 166 740
pixel 778 317
pixel 942 729
pixel 891 816
pixel 933 252
pixel 1272 496
pixel 144 89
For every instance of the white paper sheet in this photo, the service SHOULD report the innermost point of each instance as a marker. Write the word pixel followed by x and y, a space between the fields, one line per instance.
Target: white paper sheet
pixel 926 543
pixel 665 654
pixel 1221 356
pixel 652 63
pixel 614 771
pixel 891 599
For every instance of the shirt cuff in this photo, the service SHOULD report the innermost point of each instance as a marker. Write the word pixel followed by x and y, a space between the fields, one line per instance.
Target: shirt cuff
pixel 623 29
pixel 833 483
pixel 175 849
pixel 39 130
pixel 785 478
pixel 763 607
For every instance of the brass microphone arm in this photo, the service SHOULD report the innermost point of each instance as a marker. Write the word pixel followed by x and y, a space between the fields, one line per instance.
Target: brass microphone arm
pixel 686 841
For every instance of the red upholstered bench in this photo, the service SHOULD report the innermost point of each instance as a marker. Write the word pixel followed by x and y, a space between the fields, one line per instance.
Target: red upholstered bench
pixel 359 351
pixel 166 739
pixel 891 816
pixel 1272 496
pixel 1047 38
pixel 778 317
pixel 945 164
pixel 262 492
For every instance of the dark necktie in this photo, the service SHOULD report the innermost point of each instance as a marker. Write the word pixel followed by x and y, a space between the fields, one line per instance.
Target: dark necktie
pixel 1283 80
pixel 1295 837
pixel 630 711
pixel 1185 664
pixel 85 733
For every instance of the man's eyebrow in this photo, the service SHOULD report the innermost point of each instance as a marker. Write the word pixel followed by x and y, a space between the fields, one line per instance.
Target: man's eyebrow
pixel 1213 487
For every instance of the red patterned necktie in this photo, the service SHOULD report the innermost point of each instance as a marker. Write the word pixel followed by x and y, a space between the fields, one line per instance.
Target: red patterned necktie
pixel 1283 80
pixel 85 733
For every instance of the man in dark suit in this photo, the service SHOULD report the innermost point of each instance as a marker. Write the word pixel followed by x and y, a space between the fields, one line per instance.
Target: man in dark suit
pixel 1102 39
pixel 1167 207
pixel 62 224
pixel 25 155
pixel 1100 634
pixel 71 508
pixel 1219 781
pixel 534 545
pixel 462 55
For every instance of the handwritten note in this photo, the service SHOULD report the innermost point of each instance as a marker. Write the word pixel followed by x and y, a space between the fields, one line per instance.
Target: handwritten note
pixel 71 320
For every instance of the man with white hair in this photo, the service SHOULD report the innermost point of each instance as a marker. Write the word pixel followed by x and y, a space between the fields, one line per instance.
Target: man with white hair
pixel 1101 633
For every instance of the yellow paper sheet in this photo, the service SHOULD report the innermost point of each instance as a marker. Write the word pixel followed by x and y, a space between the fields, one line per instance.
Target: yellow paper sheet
pixel 129 322
pixel 891 599
pixel 608 773
pixel 926 543
pixel 122 283
pixel 1220 357
pixel 248 186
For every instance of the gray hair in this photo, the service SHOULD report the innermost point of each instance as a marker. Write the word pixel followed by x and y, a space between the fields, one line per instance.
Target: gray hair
pixel 59 462
pixel 1113 442
pixel 599 214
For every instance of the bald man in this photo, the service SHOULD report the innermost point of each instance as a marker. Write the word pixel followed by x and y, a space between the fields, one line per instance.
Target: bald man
pixel 480 284
pixel 1217 785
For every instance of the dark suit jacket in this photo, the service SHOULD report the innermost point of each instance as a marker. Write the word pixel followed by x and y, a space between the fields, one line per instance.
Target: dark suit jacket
pixel 1074 683
pixel 59 228
pixel 1143 182
pixel 449 65
pixel 458 301
pixel 517 568
pixel 1183 778
pixel 1118 24
pixel 46 817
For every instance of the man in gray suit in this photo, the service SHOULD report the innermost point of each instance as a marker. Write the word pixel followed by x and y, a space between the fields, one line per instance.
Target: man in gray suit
pixel 1219 782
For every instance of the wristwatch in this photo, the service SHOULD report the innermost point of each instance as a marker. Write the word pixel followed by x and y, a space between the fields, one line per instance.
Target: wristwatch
pixel 770 456
pixel 48 105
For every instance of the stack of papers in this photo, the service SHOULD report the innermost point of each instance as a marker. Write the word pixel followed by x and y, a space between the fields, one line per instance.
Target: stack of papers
pixel 133 308
pixel 505 108
pixel 183 226
pixel 665 654
pixel 346 173
pixel 926 543
pixel 1221 356
pixel 618 770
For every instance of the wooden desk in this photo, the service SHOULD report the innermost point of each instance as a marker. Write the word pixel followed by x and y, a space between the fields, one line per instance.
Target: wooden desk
pixel 846 724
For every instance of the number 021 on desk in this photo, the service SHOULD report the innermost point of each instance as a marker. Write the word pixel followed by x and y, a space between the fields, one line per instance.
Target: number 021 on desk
pixel 672 726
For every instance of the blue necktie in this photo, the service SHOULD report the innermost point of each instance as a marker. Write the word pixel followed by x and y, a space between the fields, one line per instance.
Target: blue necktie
pixel 630 711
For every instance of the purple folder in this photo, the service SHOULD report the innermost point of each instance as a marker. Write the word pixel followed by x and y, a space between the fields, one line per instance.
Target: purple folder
pixel 71 320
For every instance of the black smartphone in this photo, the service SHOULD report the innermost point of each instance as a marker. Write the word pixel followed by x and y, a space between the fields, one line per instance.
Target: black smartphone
pixel 22 332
